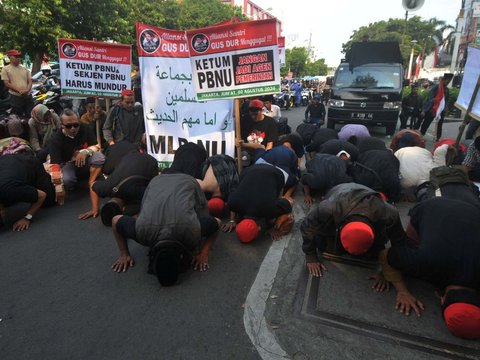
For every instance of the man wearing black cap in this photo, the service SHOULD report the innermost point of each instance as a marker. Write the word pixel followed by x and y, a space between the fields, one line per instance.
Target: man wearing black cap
pixel 446 252
pixel 18 80
pixel 352 219
pixel 174 223
pixel 434 107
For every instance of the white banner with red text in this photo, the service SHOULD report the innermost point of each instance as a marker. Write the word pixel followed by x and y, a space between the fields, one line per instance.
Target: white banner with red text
pixel 235 60
pixel 173 115
pixel 91 68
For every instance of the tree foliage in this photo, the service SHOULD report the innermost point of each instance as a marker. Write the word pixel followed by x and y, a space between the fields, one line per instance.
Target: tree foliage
pixel 33 26
pixel 317 67
pixel 427 33
pixel 298 61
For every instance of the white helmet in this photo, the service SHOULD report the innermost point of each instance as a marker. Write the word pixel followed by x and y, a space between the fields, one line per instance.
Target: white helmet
pixel 46 67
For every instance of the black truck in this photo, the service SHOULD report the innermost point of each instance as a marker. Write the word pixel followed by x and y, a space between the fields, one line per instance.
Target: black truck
pixel 367 87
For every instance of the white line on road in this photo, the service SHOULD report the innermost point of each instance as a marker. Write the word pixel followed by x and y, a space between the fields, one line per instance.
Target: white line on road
pixel 254 314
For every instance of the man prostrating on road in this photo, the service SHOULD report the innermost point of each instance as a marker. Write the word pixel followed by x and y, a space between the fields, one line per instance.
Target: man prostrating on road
pixel 174 223
pixel 353 220
pixel 445 251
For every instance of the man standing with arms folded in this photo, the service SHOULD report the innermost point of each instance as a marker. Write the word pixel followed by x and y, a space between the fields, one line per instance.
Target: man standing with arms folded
pixel 18 80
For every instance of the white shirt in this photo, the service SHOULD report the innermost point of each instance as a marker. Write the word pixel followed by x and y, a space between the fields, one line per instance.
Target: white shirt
pixel 274 112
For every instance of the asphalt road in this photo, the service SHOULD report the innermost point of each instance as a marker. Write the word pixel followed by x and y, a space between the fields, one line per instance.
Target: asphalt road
pixel 59 298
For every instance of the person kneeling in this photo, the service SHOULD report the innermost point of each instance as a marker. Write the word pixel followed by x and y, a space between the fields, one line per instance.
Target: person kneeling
pixel 173 222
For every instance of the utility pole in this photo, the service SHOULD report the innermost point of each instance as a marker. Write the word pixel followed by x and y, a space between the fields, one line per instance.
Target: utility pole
pixel 310 51
pixel 460 22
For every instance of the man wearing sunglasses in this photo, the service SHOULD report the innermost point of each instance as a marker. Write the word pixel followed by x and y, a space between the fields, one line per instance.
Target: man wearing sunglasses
pixel 75 153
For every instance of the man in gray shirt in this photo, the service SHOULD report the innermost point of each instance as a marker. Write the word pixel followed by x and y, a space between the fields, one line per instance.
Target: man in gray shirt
pixel 125 121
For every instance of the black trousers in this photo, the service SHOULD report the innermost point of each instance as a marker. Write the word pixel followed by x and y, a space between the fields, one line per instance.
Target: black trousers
pixel 22 105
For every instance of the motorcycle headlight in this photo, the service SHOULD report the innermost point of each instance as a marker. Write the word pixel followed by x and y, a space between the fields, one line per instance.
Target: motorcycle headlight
pixel 395 105
pixel 336 103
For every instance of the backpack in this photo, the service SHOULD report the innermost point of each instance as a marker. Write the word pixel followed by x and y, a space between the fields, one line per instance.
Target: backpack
pixel 442 175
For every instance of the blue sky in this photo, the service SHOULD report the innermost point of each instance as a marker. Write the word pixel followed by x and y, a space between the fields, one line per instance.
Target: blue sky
pixel 331 22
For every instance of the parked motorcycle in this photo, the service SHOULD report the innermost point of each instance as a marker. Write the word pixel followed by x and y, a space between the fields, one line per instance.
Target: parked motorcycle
pixel 305 97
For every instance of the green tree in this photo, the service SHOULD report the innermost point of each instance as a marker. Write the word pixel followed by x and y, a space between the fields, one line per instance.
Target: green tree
pixel 34 26
pixel 317 67
pixel 296 60
pixel 31 26
pixel 425 32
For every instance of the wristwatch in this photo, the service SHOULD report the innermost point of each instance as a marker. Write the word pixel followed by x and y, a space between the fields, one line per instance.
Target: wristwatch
pixel 29 217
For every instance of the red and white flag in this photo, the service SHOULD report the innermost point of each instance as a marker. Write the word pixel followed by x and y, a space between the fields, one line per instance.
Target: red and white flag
pixel 418 66
pixel 439 102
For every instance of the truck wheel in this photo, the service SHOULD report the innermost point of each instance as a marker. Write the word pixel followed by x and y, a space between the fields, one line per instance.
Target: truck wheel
pixel 390 129
pixel 331 124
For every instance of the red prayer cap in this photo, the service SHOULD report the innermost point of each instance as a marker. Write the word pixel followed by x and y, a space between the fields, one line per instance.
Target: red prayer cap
pixel 216 206
pixel 356 237
pixel 255 104
pixel 127 92
pixel 247 230
pixel 14 53
pixel 383 196
pixel 463 320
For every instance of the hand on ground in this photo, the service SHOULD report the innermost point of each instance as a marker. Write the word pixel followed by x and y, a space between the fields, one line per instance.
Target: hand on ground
pixel 200 262
pixel 88 214
pixel 21 225
pixel 123 263
pixel 379 282
pixel 406 302
pixel 316 268
pixel 228 226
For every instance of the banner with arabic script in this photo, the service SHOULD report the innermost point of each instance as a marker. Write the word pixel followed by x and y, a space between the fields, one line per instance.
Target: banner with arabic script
pixel 235 60
pixel 92 68
pixel 173 116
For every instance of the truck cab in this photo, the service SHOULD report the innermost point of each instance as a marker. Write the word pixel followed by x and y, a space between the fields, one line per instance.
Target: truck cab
pixel 367 91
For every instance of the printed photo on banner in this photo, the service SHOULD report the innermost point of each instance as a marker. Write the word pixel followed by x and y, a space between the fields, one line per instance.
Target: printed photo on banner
pixel 173 114
pixel 91 68
pixel 149 40
pixel 69 49
pixel 235 60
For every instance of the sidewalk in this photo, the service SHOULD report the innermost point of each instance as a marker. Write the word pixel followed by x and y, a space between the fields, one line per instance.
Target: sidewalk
pixel 339 317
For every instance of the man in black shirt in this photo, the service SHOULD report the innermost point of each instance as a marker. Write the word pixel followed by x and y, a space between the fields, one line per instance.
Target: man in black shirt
pixel 412 106
pixel 257 197
pixel 445 251
pixel 25 186
pixel 262 125
pixel 129 173
pixel 76 150
pixel 316 109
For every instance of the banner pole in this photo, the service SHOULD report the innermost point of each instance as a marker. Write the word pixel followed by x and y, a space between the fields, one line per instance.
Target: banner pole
pixel 238 134
pixel 97 125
